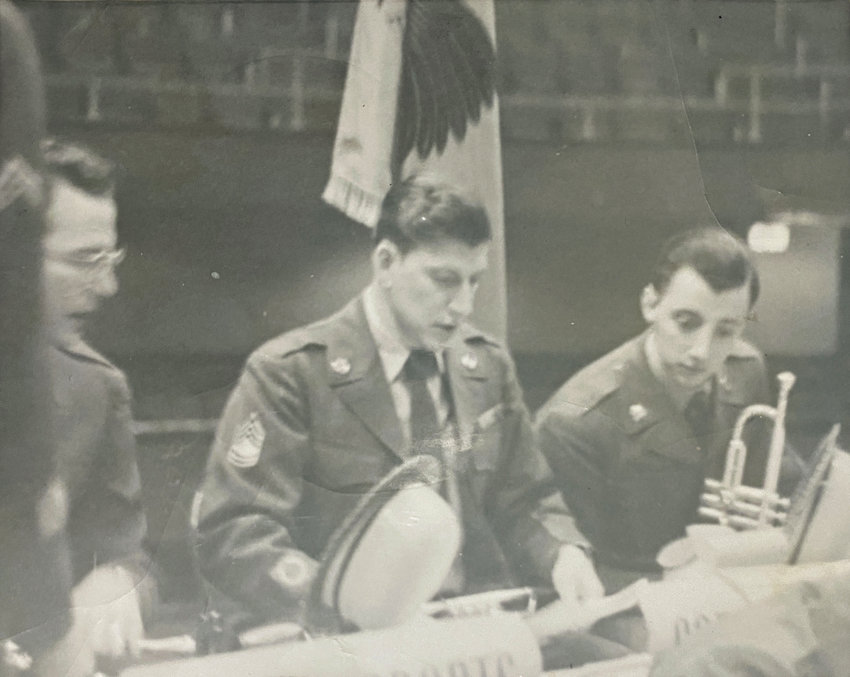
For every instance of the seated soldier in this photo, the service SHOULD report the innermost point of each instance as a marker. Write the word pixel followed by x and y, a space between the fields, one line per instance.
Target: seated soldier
pixel 323 412
pixel 96 454
pixel 632 437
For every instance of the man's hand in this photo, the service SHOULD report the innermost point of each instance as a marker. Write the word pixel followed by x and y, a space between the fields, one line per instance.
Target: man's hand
pixel 107 605
pixel 574 577
pixel 107 624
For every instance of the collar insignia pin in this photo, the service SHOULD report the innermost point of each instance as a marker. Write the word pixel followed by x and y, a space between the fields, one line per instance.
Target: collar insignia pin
pixel 341 366
pixel 469 360
pixel 638 412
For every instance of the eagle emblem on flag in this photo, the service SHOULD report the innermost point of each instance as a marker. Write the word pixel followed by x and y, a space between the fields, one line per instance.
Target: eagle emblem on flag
pixel 447 76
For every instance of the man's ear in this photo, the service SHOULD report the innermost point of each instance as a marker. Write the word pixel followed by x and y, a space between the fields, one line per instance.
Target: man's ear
pixel 649 299
pixel 384 256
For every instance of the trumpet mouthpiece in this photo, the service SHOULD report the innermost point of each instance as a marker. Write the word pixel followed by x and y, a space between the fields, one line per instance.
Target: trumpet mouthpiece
pixel 786 380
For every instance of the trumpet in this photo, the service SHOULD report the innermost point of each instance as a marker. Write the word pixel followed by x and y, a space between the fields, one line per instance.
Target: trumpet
pixel 729 501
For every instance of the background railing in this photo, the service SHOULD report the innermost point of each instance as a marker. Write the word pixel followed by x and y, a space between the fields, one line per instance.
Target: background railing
pixel 570 70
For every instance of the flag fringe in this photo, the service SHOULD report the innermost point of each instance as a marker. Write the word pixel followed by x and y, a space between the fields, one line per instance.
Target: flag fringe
pixel 353 200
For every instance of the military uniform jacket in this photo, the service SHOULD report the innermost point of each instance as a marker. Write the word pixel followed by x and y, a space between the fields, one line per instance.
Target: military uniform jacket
pixel 96 460
pixel 311 425
pixel 628 464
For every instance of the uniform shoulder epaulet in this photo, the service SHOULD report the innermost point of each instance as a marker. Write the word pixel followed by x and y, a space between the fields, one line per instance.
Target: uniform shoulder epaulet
pixel 744 350
pixel 291 342
pixel 83 351
pixel 594 383
pixel 597 381
pixel 91 364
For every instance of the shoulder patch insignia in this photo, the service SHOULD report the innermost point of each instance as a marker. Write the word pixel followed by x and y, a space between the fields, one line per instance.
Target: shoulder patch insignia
pixel 247 443
pixel 290 571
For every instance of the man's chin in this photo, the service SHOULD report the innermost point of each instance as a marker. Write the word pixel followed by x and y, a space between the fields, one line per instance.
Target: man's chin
pixel 692 380
pixel 439 337
pixel 70 325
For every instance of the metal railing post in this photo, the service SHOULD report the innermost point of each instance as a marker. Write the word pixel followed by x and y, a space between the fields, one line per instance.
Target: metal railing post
pixel 298 120
pixel 721 87
pixel 588 124
pixel 780 25
pixel 824 102
pixel 93 92
pixel 801 54
pixel 754 134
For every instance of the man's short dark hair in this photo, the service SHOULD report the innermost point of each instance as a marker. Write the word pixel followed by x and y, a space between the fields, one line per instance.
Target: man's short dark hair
pixel 80 166
pixel 421 210
pixel 721 259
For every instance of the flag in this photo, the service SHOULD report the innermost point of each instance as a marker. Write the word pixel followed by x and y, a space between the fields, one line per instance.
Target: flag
pixel 420 98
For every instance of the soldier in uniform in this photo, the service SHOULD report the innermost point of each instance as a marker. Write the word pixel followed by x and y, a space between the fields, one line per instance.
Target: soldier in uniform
pixel 322 413
pixel 96 455
pixel 632 437
pixel 34 571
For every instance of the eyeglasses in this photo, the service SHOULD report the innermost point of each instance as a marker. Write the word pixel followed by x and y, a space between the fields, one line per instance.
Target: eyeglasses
pixel 96 261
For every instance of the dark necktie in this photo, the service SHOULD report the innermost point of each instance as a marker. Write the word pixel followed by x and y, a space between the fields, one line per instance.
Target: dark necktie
pixel 700 414
pixel 421 365
pixel 425 438
pixel 479 546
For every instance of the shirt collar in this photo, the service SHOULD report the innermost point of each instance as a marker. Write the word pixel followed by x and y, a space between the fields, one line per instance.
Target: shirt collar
pixel 392 348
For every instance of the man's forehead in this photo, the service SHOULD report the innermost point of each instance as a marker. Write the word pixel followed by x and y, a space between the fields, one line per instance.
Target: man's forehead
pixel 689 291
pixel 79 220
pixel 452 252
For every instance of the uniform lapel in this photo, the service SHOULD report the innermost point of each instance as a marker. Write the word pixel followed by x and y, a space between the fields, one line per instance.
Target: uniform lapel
pixel 731 400
pixel 356 374
pixel 468 374
pixel 650 415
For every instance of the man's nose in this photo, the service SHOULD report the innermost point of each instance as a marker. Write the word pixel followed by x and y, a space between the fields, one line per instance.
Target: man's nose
pixel 700 347
pixel 106 283
pixel 463 302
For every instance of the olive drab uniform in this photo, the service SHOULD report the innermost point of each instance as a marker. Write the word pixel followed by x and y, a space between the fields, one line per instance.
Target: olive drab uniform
pixel 311 426
pixel 96 461
pixel 628 463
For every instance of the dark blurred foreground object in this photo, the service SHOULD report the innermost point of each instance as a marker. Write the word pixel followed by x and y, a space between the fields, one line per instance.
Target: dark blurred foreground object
pixel 802 632
pixel 33 559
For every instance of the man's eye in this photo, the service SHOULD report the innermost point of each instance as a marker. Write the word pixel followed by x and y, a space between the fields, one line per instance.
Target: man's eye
pixel 445 280
pixel 726 331
pixel 688 323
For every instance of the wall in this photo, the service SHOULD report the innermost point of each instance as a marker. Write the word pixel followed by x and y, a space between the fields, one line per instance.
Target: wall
pixel 229 242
